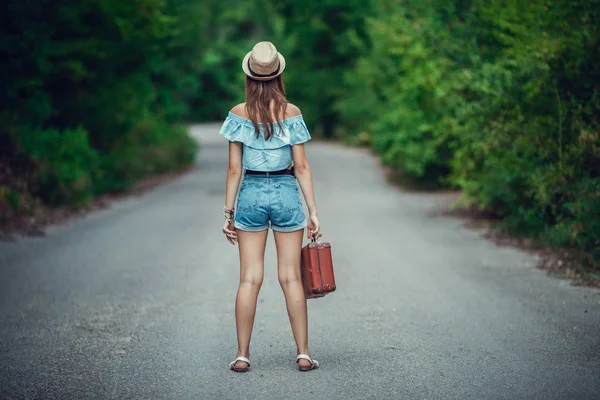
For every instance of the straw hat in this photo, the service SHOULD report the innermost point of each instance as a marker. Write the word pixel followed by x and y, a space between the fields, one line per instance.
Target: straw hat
pixel 264 62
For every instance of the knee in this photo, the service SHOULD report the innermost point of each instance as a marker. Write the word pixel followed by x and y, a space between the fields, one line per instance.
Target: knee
pixel 253 280
pixel 289 278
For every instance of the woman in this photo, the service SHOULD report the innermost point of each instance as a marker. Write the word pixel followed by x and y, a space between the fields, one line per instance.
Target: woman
pixel 266 138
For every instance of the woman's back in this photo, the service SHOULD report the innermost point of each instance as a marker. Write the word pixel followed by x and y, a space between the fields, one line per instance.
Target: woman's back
pixel 260 154
pixel 290 111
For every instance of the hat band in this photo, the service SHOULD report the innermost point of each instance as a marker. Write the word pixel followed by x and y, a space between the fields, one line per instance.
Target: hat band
pixel 263 75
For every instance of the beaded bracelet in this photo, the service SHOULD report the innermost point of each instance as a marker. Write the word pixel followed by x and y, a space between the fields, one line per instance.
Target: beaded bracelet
pixel 228 213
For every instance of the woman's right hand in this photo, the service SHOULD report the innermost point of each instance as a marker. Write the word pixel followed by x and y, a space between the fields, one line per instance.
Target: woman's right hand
pixel 313 231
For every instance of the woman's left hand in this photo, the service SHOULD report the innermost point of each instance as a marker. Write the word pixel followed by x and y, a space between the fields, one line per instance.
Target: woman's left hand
pixel 229 232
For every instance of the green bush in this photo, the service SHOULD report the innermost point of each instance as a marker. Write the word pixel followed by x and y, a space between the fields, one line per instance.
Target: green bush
pixel 104 84
pixel 65 164
pixel 401 91
pixel 499 99
pixel 534 157
pixel 152 148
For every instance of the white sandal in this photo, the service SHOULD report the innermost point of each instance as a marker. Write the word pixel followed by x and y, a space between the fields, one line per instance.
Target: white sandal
pixel 314 364
pixel 232 364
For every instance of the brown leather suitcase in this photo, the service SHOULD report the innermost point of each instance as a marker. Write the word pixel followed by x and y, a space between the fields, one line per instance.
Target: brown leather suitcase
pixel 316 265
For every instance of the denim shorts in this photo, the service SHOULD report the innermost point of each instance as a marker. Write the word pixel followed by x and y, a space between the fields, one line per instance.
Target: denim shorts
pixel 273 200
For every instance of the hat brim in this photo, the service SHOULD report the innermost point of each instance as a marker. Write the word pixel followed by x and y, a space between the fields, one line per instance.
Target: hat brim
pixel 265 78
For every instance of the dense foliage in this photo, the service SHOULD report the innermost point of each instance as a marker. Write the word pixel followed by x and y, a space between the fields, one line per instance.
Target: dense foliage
pixel 91 92
pixel 500 99
pixel 322 39
pixel 497 98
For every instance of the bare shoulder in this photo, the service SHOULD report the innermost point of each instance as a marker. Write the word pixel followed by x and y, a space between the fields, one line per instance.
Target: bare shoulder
pixel 240 110
pixel 292 111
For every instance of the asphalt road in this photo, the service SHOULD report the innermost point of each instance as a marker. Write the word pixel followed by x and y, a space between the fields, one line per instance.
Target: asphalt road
pixel 136 302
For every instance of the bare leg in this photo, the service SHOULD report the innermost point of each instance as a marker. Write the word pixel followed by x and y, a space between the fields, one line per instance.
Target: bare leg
pixel 252 255
pixel 289 245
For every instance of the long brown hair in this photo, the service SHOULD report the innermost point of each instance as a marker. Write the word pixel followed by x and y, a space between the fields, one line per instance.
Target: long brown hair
pixel 263 100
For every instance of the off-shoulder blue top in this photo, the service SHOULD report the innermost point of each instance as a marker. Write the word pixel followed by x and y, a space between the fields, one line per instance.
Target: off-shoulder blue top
pixel 265 155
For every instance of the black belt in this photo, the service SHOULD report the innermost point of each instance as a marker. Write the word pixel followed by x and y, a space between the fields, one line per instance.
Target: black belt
pixel 269 173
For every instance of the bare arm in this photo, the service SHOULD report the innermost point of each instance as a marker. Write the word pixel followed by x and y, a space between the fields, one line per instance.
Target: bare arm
pixel 304 177
pixel 305 181
pixel 234 175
